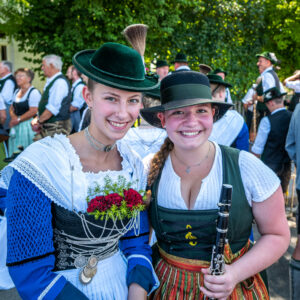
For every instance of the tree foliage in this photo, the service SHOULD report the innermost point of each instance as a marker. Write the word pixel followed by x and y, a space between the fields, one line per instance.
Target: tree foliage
pixel 216 32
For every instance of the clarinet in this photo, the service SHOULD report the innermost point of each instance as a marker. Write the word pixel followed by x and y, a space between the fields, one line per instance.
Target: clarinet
pixel 217 264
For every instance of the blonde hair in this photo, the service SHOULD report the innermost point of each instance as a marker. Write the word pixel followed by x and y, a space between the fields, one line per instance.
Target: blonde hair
pixel 159 160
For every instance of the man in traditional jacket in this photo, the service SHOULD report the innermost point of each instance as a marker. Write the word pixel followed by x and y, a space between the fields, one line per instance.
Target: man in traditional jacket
pixel 271 136
pixel 53 112
pixel 7 88
pixel 265 63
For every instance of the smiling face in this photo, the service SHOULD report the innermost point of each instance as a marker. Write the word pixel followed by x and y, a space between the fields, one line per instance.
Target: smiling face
pixel 22 79
pixel 113 111
pixel 263 64
pixel 188 127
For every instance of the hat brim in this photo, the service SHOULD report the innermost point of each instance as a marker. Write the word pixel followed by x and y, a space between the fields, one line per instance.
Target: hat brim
pixel 180 61
pixel 82 59
pixel 226 84
pixel 150 114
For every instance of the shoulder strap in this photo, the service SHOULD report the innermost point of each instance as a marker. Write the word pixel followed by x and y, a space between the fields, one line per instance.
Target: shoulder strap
pixel 274 74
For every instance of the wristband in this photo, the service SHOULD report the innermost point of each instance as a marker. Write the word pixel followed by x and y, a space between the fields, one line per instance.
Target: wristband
pixel 19 119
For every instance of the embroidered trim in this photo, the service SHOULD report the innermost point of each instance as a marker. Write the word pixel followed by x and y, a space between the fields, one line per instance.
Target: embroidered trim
pixel 48 288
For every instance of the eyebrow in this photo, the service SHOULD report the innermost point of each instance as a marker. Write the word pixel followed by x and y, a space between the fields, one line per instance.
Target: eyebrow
pixel 116 95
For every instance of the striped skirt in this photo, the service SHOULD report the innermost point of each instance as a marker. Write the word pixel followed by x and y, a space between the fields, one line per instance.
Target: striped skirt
pixel 181 279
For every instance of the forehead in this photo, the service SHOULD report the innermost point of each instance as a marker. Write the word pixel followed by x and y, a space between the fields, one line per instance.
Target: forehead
pixel 104 89
pixel 262 59
pixel 190 108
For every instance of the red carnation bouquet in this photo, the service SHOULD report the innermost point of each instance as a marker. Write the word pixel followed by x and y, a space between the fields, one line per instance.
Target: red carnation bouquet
pixel 115 200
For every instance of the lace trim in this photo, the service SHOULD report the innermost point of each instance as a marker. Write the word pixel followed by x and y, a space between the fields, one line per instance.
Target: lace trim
pixel 37 178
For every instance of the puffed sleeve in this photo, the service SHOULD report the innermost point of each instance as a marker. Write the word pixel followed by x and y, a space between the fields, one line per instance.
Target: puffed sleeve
pixel 138 252
pixel 30 258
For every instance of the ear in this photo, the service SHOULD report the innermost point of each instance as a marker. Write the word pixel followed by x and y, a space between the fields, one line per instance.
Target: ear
pixel 162 119
pixel 87 95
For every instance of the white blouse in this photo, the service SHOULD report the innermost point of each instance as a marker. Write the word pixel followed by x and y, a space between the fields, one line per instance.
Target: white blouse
pixel 259 181
pixel 52 173
pixel 34 97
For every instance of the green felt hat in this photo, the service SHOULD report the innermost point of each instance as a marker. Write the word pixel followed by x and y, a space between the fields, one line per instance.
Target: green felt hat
pixel 155 93
pixel 161 63
pixel 270 56
pixel 272 93
pixel 115 65
pixel 213 78
pixel 181 89
pixel 180 57
pixel 219 70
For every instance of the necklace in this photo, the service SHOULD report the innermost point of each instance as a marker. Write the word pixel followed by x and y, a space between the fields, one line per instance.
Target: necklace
pixel 96 144
pixel 188 168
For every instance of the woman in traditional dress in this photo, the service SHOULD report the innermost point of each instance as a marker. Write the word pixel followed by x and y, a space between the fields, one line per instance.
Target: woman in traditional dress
pixel 24 107
pixel 55 249
pixel 186 177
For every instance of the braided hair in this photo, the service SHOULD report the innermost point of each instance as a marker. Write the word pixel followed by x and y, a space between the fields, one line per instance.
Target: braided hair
pixel 159 160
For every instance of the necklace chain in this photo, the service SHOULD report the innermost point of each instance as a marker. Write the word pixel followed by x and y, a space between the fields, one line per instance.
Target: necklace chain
pixel 96 144
pixel 188 168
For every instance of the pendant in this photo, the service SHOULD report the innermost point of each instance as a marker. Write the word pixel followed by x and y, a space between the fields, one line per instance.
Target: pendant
pixel 80 262
pixel 89 271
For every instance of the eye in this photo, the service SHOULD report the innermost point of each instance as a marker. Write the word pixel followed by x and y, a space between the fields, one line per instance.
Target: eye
pixel 134 100
pixel 111 99
pixel 177 112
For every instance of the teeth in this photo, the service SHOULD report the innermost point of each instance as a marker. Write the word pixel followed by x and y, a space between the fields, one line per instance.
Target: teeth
pixel 117 124
pixel 190 133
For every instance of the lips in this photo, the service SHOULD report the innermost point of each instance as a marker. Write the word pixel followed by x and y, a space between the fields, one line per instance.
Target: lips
pixel 189 133
pixel 118 125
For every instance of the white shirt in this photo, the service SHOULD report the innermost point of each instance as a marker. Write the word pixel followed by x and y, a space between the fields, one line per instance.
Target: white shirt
pixel 6 95
pixel 186 68
pixel 226 129
pixel 77 100
pixel 34 97
pixel 268 81
pixel 228 96
pixel 57 93
pixel 259 181
pixel 145 141
pixel 294 85
pixel 264 129
pixel 248 97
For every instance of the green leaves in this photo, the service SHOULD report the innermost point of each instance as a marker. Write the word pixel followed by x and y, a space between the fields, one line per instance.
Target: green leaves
pixel 216 32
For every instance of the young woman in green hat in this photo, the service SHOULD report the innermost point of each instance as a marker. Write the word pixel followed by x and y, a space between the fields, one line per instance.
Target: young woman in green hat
pixel 186 178
pixel 76 229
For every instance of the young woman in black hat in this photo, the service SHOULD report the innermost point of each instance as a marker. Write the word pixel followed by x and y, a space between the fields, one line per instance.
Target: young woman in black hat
pixel 186 178
pixel 76 229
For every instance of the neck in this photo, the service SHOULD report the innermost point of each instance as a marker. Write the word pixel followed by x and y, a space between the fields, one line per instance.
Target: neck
pixel 274 107
pixel 188 156
pixel 25 87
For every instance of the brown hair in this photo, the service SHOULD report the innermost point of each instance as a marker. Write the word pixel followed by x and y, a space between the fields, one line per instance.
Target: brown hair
pixel 27 71
pixel 91 84
pixel 159 159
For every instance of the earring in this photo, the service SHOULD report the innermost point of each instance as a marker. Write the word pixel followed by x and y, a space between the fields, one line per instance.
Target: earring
pixel 90 107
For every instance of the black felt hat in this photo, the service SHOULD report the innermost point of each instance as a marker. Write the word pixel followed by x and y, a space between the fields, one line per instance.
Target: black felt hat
pixel 219 70
pixel 214 78
pixel 180 57
pixel 115 65
pixel 161 63
pixel 181 89
pixel 272 93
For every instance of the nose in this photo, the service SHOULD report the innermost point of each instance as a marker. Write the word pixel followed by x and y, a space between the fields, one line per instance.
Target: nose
pixel 191 118
pixel 122 111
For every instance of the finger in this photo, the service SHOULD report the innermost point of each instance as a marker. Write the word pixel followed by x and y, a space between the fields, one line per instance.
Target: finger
pixel 214 287
pixel 213 279
pixel 210 294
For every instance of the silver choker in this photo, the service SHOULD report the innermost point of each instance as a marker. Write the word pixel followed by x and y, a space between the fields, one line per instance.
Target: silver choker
pixel 96 144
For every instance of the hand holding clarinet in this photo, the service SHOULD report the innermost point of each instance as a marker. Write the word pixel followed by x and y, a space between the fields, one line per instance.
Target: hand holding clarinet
pixel 219 281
